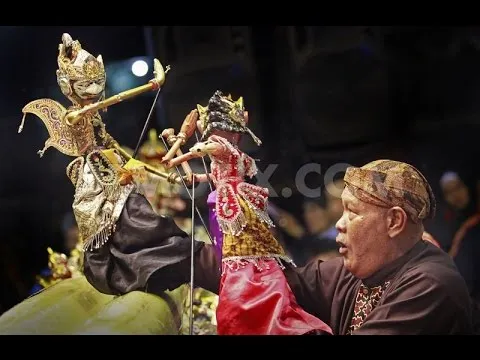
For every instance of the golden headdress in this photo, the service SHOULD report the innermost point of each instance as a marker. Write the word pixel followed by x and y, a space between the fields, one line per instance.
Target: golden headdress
pixel 80 75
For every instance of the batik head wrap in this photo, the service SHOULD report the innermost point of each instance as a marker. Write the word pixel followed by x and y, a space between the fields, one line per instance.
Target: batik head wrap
pixel 389 183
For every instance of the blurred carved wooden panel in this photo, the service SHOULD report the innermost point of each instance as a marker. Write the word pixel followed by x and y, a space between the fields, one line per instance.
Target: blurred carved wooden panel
pixel 340 85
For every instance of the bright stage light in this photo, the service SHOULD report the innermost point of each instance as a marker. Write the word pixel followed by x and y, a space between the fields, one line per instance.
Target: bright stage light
pixel 139 68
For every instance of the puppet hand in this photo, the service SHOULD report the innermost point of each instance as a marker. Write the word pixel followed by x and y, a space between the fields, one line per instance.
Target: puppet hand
pixel 199 149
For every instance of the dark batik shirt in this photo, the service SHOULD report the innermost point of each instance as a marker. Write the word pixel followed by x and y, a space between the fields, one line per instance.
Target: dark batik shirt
pixel 419 293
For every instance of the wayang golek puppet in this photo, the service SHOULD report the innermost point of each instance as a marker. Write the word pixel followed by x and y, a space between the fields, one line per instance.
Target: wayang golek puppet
pixel 101 166
pixel 105 179
pixel 254 296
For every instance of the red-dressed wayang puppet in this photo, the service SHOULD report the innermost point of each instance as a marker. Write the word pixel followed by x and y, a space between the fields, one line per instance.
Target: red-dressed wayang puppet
pixel 254 296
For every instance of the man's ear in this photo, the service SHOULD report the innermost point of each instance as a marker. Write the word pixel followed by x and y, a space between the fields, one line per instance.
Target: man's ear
pixel 396 221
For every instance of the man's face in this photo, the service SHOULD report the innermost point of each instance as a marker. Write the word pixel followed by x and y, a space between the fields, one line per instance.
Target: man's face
pixel 362 236
pixel 456 194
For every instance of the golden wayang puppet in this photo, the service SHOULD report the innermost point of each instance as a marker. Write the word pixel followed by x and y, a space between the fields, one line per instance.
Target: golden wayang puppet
pixel 254 296
pixel 106 199
pixel 100 166
pixel 62 266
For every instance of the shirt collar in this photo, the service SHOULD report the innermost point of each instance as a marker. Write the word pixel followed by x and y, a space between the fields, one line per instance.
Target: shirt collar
pixel 388 271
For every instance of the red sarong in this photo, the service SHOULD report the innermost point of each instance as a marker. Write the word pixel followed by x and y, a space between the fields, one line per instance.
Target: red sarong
pixel 259 301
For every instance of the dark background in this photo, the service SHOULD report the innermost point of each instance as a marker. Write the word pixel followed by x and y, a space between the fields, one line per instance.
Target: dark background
pixel 315 94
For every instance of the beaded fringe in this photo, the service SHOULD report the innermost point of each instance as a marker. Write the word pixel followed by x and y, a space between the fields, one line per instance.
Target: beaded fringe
pixel 233 227
pixel 261 262
pixel 262 215
pixel 107 227
pixel 236 226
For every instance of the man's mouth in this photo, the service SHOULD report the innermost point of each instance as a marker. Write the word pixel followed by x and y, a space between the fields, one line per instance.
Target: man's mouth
pixel 342 249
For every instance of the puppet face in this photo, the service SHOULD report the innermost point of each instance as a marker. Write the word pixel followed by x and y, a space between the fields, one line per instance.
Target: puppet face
pixel 88 89
pixel 80 75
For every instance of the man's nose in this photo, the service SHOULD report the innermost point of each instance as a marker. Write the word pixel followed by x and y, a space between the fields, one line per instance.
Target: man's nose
pixel 340 225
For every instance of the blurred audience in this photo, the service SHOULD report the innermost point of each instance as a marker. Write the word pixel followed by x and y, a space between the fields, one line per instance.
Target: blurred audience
pixel 464 229
pixel 314 234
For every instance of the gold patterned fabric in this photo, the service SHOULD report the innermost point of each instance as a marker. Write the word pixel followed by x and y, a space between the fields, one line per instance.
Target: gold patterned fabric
pixel 254 240
pixel 389 183
pixel 99 197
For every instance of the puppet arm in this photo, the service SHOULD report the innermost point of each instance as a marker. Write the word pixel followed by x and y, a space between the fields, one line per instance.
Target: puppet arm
pixel 198 150
pixel 203 177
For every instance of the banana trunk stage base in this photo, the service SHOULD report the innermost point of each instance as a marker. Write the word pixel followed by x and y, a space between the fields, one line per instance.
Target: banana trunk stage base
pixel 73 307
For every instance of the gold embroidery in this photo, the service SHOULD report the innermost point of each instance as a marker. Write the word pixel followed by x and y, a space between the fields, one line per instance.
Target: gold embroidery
pixel 75 170
pixel 102 169
pixel 255 239
pixel 99 199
